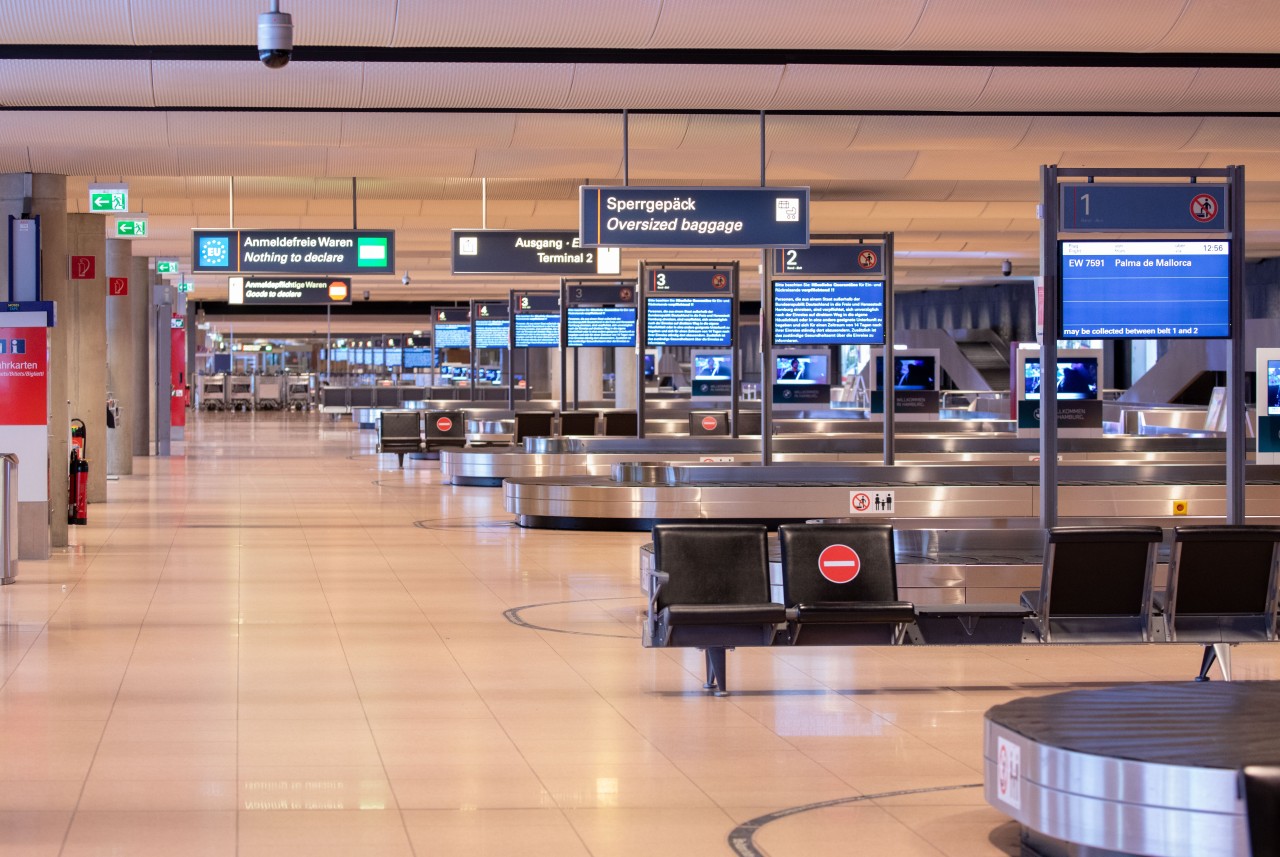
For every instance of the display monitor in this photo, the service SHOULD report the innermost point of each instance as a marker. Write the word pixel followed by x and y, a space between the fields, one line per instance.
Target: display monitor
pixel 650 366
pixel 808 369
pixel 1273 388
pixel 828 312
pixel 493 333
pixel 689 321
pixel 1144 290
pixel 452 335
pixel 910 372
pixel 537 330
pixel 1077 378
pixel 708 367
pixel 395 356
pixel 601 327
pixel 417 358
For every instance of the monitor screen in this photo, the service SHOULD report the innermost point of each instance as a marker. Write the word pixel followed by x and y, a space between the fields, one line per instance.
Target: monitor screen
pixel 1144 290
pixel 910 372
pixel 1273 388
pixel 828 313
pixel 707 367
pixel 537 330
pixel 1077 377
pixel 417 358
pixel 808 369
pixel 601 327
pixel 394 356
pixel 452 335
pixel 689 321
pixel 650 365
pixel 492 332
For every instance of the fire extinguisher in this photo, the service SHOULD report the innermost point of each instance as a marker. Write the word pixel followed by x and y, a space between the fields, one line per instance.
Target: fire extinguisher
pixel 78 475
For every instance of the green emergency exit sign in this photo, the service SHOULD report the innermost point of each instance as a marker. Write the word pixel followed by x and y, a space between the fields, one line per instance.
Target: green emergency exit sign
pixel 131 228
pixel 167 266
pixel 109 199
pixel 186 287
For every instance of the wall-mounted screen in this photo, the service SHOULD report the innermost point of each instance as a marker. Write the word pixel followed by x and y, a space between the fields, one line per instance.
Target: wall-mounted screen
pixel 910 372
pixel 707 367
pixel 828 313
pixel 492 332
pixel 689 321
pixel 417 358
pixel 1077 378
pixel 601 327
pixel 1144 290
pixel 809 369
pixel 537 330
pixel 1273 388
pixel 650 365
pixel 452 335
pixel 394 356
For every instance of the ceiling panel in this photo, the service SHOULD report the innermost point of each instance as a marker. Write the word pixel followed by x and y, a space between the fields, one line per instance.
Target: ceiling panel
pixel 809 133
pixel 819 24
pixel 599 130
pixel 928 209
pixel 546 163
pixel 297 161
pixel 1158 160
pixel 65 22
pixel 1239 133
pixel 535 23
pixel 433 130
pixel 315 22
pixel 707 166
pixel 1140 90
pixel 905 88
pixel 253 129
pixel 104 127
pixel 102 160
pixel 996 190
pixel 199 83
pixel 940 132
pixel 845 165
pixel 1109 133
pixel 1014 25
pixel 723 133
pixel 14 159
pixel 977 165
pixel 402 162
pixel 1246 26
pixel 467 85
pixel 676 87
pixel 1223 90
pixel 1258 167
pixel 83 83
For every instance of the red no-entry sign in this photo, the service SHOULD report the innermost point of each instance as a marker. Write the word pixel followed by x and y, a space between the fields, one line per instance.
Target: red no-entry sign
pixel 444 424
pixel 839 563
pixel 709 423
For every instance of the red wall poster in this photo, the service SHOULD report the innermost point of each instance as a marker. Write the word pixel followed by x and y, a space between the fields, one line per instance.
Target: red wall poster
pixel 24 376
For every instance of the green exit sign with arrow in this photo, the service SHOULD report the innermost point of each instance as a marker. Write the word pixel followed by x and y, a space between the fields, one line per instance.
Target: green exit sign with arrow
pixel 166 266
pixel 186 287
pixel 131 228
pixel 105 198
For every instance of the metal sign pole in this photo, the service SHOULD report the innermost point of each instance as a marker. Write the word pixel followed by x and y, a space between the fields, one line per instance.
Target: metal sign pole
pixel 564 342
pixel 766 332
pixel 473 354
pixel 1049 348
pixel 641 276
pixel 889 390
pixel 735 370
pixel 511 351
pixel 1236 355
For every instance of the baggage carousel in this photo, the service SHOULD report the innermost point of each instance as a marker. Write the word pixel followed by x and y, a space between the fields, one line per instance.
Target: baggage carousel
pixel 1147 769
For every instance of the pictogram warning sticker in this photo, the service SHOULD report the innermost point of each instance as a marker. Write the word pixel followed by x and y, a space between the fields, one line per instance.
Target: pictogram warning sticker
pixel 871 501
pixel 1204 207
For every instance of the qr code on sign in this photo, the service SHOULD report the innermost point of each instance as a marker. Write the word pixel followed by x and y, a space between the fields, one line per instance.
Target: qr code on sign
pixel 788 210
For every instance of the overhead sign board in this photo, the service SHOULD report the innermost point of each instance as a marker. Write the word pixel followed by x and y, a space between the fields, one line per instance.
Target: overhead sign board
pixel 619 293
pixel 289 291
pixel 850 260
pixel 1143 208
pixel 108 197
pixel 512 251
pixel 537 302
pixel 131 229
pixel 694 216
pixel 274 251
pixel 166 266
pixel 714 281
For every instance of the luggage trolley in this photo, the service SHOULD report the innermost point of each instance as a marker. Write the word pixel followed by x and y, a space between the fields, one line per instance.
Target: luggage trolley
pixel 213 392
pixel 299 393
pixel 240 394
pixel 268 394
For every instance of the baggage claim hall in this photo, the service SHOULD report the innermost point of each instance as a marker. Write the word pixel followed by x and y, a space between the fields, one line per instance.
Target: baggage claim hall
pixel 629 428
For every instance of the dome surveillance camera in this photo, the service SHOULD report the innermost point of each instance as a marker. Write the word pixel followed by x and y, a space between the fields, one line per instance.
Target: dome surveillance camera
pixel 275 37
pixel 405 279
pixel 1006 268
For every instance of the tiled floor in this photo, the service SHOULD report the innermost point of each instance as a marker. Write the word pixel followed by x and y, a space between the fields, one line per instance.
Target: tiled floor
pixel 280 644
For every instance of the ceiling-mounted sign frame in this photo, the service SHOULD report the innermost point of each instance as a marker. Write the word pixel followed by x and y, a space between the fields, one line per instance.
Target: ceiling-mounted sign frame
pixel 522 252
pixel 108 198
pixel 293 251
pixel 830 260
pixel 289 291
pixel 706 217
pixel 1143 207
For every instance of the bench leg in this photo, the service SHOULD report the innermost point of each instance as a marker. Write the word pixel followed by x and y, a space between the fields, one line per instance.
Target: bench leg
pixel 1223 651
pixel 716 671
pixel 400 459
pixel 1205 662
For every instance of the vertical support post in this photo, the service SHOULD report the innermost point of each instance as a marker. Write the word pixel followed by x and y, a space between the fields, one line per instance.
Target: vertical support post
pixel 1236 354
pixel 1049 348
pixel 355 220
pixel 231 203
pixel 766 332
pixel 626 148
pixel 511 351
pixel 576 380
pixel 735 362
pixel 484 203
pixel 472 355
pixel 888 374
pixel 641 333
pixel 564 343
pixel 328 343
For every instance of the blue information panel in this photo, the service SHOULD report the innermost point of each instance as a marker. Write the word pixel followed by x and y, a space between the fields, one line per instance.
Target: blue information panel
pixel 689 280
pixel 601 327
pixel 452 335
pixel 688 321
pixel 828 312
pixel 1145 290
pixel 417 358
pixel 694 216
pixel 537 330
pixel 493 333
pixel 854 260
pixel 1143 208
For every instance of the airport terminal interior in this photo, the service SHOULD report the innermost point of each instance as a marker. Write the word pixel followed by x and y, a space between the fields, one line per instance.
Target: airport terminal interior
pixel 420 421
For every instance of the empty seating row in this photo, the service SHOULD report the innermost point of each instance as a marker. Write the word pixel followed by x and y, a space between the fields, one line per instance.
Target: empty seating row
pixel 401 432
pixel 574 423
pixel 839 583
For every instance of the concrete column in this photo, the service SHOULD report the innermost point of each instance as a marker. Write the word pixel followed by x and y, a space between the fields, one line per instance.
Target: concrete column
pixel 624 378
pixel 121 367
pixel 42 525
pixel 137 416
pixel 86 236
pixel 591 370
